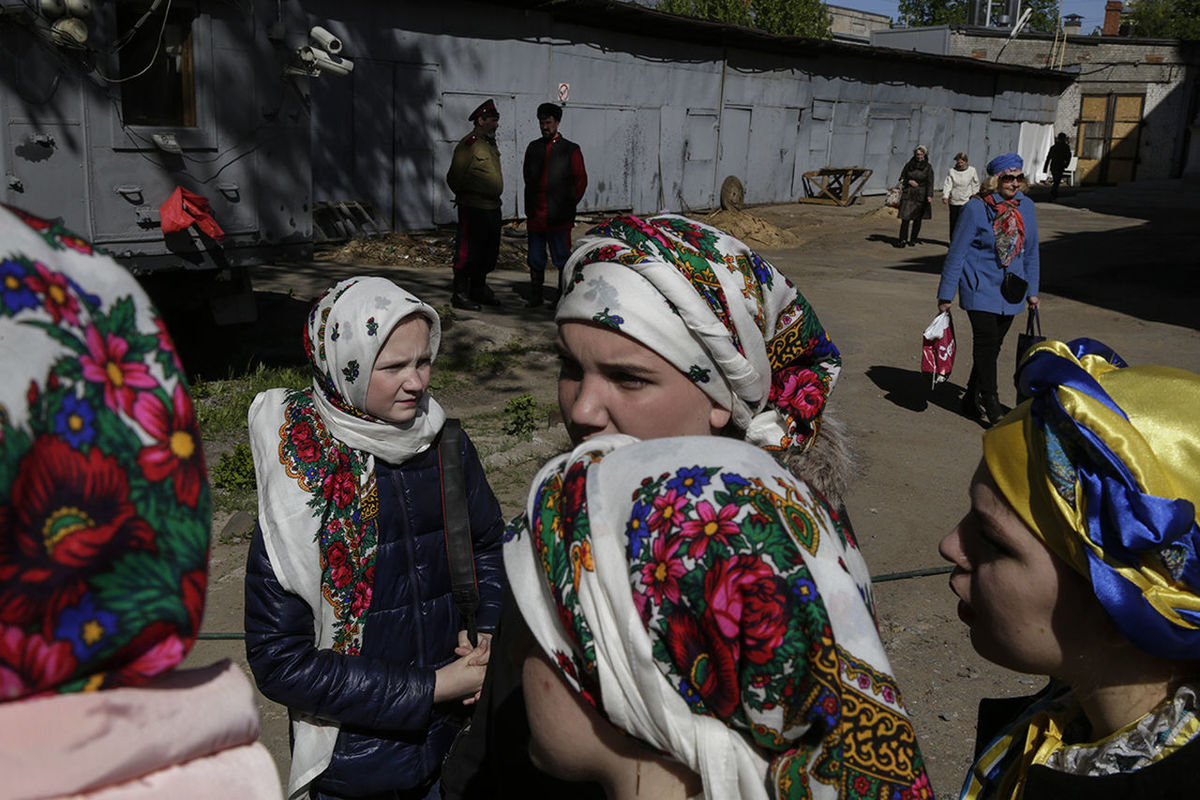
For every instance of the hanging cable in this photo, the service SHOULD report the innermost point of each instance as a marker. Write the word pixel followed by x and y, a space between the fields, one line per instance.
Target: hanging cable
pixel 158 46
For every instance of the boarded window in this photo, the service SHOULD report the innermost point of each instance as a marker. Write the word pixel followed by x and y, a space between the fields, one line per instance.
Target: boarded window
pixel 156 65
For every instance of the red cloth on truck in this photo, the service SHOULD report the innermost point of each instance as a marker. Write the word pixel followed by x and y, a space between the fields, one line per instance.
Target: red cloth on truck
pixel 184 209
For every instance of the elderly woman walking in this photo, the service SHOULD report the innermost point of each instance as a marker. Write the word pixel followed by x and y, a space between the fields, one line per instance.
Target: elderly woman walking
pixel 916 196
pixel 1078 560
pixel 961 184
pixel 994 267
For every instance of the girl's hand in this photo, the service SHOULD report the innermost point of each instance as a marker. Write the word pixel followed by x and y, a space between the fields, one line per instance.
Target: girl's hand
pixel 463 677
pixel 464 646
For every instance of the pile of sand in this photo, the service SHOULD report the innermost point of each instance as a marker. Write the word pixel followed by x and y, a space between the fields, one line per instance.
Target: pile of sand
pixel 752 230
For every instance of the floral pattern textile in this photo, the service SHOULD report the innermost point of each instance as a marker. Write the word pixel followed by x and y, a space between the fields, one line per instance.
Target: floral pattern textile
pixel 1049 731
pixel 314 460
pixel 753 607
pixel 1008 226
pixel 717 311
pixel 104 520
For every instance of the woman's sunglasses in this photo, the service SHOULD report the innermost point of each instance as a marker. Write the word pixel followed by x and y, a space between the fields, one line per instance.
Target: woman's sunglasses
pixel 1012 178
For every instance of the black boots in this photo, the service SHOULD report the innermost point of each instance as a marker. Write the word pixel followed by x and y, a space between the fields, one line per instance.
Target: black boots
pixel 459 297
pixel 537 279
pixel 985 408
pixel 992 408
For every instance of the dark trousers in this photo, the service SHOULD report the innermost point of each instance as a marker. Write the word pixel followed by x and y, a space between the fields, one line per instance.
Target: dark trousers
pixel 955 213
pixel 987 337
pixel 916 229
pixel 559 244
pixel 476 246
pixel 1056 176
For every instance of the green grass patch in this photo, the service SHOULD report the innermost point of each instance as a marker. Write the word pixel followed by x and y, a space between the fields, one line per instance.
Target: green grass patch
pixel 465 363
pixel 222 405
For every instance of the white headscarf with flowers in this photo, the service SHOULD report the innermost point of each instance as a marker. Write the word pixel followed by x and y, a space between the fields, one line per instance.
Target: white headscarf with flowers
pixel 704 600
pixel 722 315
pixel 314 460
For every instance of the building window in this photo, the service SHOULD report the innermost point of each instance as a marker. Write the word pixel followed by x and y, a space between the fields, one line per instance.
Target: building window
pixel 156 65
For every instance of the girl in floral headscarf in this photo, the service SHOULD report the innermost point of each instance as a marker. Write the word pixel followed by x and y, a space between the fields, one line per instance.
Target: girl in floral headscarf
pixel 694 594
pixel 735 349
pixel 669 327
pixel 1080 560
pixel 104 530
pixel 350 620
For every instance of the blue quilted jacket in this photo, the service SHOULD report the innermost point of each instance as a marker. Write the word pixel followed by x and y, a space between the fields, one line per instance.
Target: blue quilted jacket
pixel 392 735
pixel 972 268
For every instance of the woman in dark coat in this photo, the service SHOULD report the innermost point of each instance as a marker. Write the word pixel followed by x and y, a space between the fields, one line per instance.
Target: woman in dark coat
pixel 916 195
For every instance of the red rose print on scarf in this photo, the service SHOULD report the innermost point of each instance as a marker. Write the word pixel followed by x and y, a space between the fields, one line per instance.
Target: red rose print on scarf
pixel 338 486
pixel 798 393
pixel 307 447
pixel 748 601
pixel 337 557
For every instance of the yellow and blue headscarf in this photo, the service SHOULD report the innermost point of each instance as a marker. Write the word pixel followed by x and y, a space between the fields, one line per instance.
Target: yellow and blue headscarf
pixel 1104 466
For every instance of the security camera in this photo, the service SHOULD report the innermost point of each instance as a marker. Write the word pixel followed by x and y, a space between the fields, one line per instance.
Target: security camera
pixel 320 61
pixel 325 40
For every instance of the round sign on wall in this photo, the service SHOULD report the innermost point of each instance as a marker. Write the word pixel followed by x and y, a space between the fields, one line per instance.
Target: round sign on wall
pixel 564 92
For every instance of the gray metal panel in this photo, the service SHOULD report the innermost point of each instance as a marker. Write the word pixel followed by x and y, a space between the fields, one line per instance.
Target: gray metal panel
pixel 734 157
pixel 699 159
pixel 878 152
pixel 773 140
pixel 416 91
pixel 51 177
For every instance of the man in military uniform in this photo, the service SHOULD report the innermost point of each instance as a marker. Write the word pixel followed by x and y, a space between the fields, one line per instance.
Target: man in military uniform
pixel 555 180
pixel 475 179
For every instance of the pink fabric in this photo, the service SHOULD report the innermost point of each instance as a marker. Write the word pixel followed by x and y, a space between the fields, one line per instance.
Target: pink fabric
pixel 93 741
pixel 240 772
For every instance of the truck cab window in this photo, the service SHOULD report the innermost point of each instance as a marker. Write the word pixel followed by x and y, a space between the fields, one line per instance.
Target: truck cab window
pixel 163 93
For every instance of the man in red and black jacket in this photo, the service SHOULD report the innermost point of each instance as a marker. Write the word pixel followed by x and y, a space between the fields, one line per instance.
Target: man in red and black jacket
pixel 555 180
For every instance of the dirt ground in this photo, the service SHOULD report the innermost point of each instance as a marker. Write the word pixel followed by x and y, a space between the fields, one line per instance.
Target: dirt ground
pixel 1117 266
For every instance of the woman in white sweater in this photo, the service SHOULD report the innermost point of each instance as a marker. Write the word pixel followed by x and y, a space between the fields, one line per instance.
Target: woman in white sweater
pixel 961 184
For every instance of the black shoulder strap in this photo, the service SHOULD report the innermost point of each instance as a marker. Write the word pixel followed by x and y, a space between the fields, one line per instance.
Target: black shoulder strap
pixel 459 550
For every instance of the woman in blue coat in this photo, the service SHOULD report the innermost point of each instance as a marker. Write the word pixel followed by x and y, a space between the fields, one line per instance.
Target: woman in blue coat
pixel 993 265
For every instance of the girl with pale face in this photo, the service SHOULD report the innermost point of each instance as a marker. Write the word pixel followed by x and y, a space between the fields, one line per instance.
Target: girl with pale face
pixel 668 327
pixel 1078 561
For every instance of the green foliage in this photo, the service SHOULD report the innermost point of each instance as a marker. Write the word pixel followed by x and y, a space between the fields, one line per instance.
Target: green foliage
pixel 236 469
pixel 783 17
pixel 793 18
pixel 730 12
pixel 221 406
pixel 1164 19
pixel 920 13
pixel 522 416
